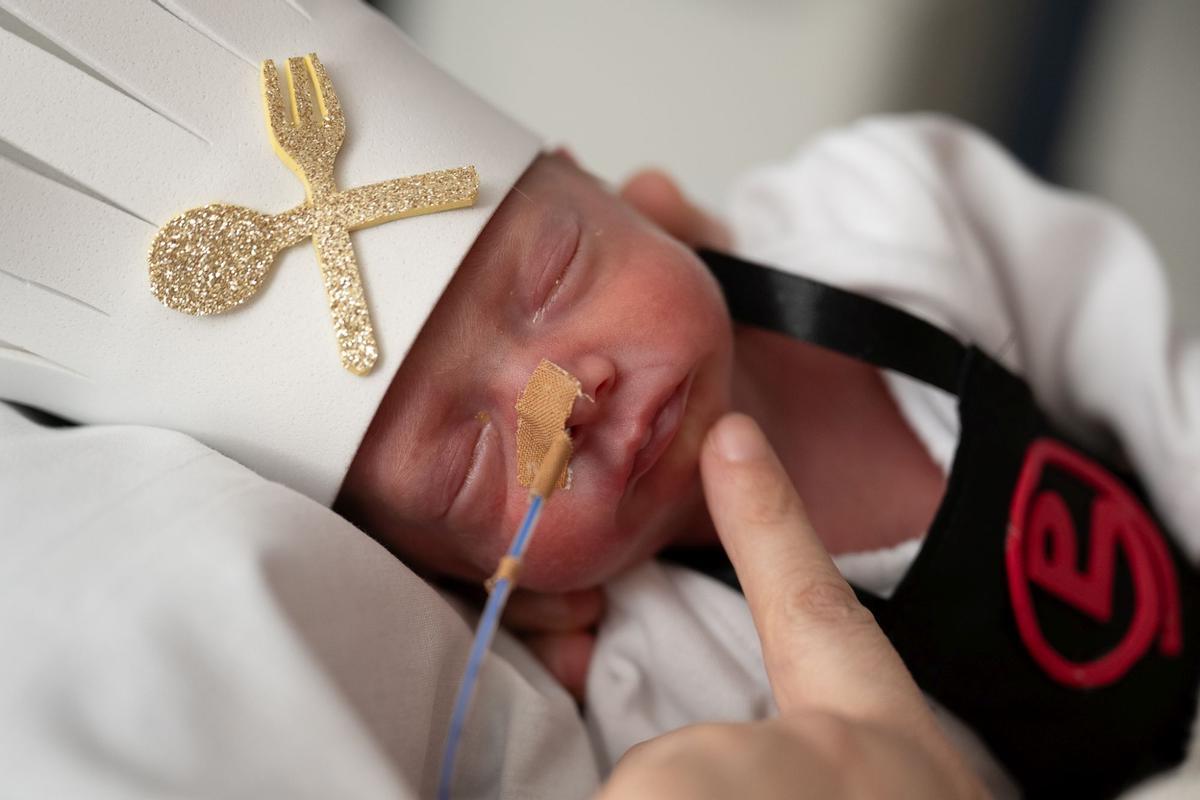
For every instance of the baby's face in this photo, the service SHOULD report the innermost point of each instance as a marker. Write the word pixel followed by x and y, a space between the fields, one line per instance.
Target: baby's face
pixel 568 272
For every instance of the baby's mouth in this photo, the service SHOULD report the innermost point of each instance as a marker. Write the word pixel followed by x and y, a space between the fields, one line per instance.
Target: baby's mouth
pixel 660 432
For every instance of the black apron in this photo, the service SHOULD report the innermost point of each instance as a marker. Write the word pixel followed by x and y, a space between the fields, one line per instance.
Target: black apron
pixel 1046 608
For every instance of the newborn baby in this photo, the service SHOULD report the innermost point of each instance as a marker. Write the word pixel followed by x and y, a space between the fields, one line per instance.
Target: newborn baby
pixel 569 272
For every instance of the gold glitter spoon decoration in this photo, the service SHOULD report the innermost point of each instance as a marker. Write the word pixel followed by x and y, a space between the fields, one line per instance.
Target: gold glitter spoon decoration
pixel 214 258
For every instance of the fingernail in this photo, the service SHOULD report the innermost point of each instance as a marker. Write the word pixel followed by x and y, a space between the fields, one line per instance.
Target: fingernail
pixel 738 438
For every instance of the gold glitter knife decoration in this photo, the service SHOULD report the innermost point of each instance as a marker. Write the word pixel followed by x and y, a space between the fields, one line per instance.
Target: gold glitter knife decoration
pixel 211 259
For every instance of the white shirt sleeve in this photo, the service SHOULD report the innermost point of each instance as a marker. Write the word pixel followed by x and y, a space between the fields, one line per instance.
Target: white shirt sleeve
pixel 173 625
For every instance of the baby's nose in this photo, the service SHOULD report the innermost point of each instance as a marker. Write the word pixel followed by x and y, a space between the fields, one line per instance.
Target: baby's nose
pixel 596 375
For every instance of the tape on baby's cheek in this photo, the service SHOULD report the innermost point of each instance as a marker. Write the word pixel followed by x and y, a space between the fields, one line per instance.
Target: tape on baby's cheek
pixel 542 413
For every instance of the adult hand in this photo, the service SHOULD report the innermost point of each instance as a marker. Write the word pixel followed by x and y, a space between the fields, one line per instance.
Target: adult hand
pixel 656 195
pixel 851 722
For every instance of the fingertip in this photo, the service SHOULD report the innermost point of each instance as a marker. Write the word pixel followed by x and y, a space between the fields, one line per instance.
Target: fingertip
pixel 745 484
pixel 653 192
pixel 737 438
pixel 566 154
pixel 722 457
pixel 657 196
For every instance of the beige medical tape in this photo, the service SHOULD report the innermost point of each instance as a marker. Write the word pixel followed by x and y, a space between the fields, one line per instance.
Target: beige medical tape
pixel 509 568
pixel 542 414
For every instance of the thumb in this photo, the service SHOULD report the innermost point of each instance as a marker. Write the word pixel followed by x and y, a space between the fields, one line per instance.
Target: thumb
pixel 821 647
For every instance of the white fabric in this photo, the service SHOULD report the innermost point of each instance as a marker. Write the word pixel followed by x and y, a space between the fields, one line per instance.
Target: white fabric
pixel 879 571
pixel 173 625
pixel 671 651
pixel 931 216
pixel 119 115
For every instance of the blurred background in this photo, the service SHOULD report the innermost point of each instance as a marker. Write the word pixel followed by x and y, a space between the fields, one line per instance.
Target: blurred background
pixel 1096 95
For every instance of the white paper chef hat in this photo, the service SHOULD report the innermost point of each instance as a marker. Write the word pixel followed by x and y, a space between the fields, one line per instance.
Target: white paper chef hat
pixel 118 116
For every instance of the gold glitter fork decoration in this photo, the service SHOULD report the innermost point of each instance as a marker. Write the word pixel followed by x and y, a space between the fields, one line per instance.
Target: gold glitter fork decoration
pixel 211 259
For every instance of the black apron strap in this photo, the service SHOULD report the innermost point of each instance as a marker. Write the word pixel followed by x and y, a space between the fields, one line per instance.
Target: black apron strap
pixel 842 322
pixel 838 320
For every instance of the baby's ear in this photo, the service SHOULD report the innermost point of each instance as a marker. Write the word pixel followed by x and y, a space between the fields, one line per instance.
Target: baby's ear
pixel 656 195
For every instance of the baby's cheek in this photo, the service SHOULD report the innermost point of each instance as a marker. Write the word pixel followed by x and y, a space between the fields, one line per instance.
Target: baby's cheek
pixel 575 544
pixel 680 291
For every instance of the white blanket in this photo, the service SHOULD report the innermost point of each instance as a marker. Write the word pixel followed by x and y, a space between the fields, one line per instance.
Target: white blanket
pixel 173 625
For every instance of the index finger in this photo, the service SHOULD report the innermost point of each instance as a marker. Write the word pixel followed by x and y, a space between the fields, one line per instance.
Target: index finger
pixel 821 648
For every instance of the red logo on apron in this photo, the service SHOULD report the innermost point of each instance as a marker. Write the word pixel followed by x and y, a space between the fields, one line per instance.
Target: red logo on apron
pixel 1042 549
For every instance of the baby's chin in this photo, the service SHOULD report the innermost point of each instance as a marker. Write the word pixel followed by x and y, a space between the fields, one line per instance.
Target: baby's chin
pixel 565 556
pixel 575 548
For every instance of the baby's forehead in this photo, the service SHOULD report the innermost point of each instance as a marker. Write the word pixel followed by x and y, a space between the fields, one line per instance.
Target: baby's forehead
pixel 463 345
pixel 540 221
